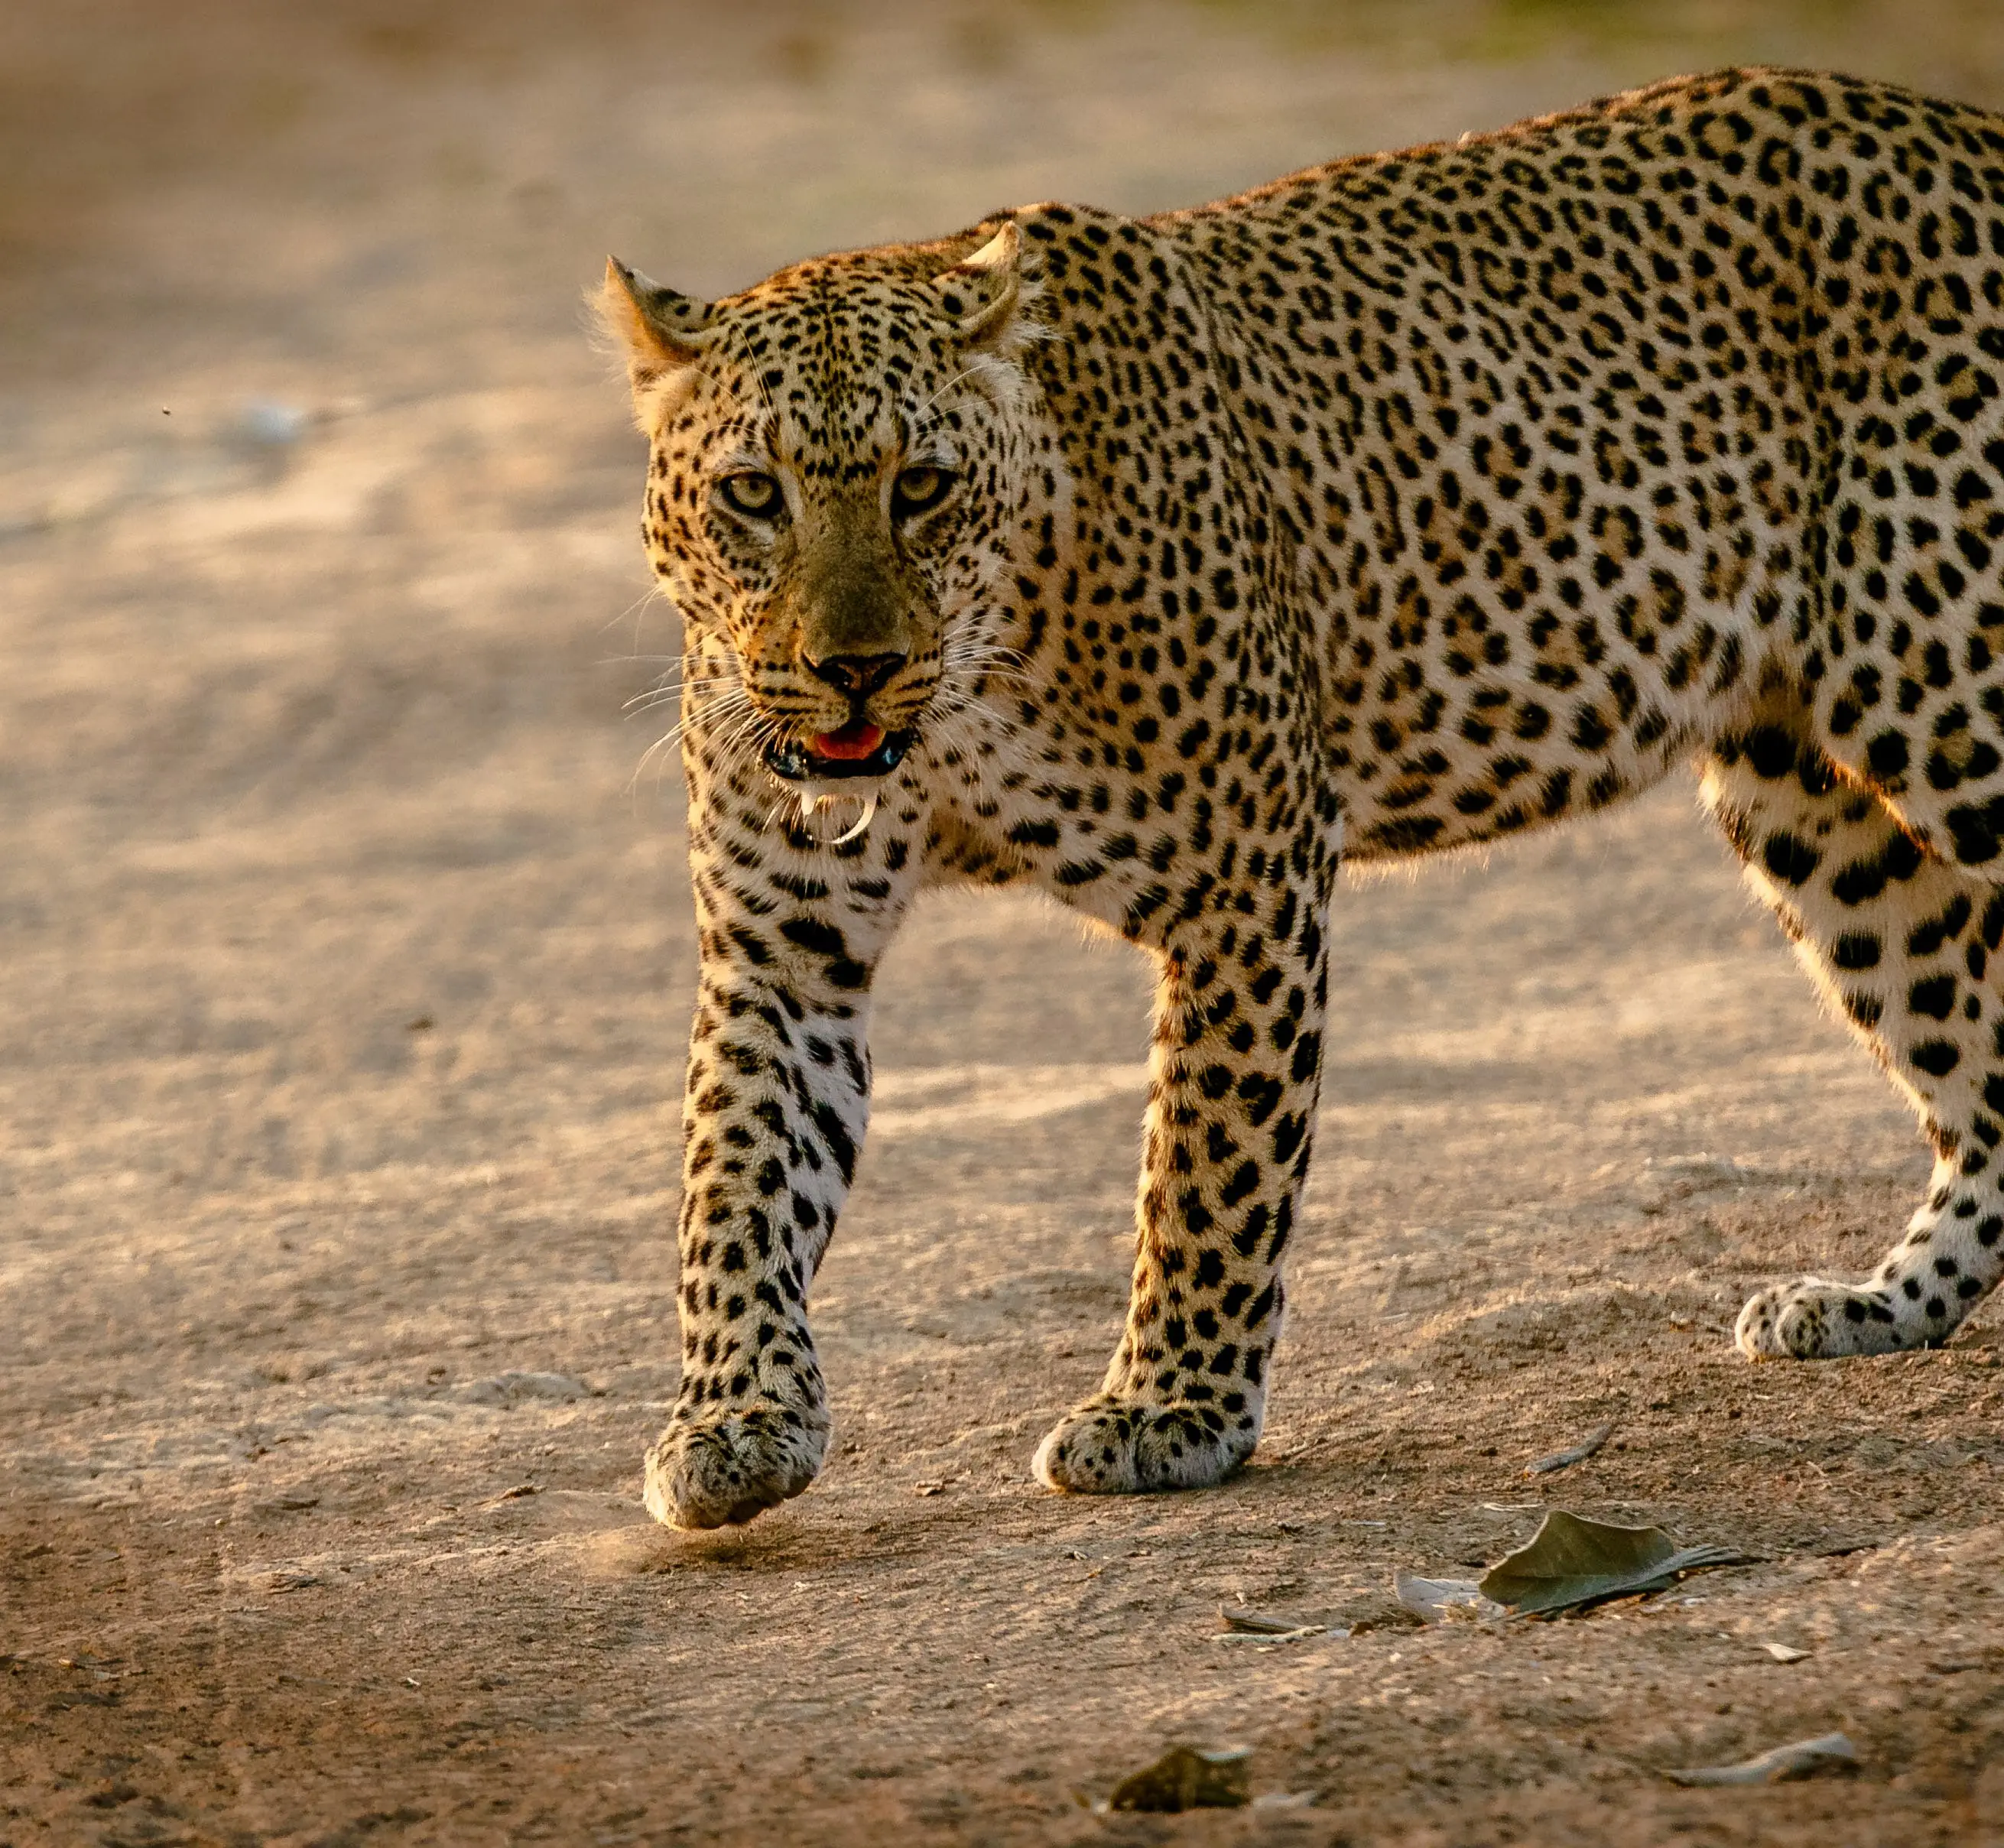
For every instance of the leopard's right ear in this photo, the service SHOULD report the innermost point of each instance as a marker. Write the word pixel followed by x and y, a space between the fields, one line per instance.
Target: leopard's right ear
pixel 657 330
pixel 981 292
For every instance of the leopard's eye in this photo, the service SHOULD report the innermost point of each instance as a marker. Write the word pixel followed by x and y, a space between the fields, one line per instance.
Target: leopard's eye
pixel 919 490
pixel 755 495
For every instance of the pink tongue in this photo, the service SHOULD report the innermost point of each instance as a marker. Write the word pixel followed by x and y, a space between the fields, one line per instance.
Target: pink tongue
pixel 852 741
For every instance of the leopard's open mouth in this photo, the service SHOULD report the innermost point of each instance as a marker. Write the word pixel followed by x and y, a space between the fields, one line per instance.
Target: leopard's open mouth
pixel 858 749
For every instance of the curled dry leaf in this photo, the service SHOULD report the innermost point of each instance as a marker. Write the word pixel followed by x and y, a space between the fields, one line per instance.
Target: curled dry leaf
pixel 1187 1777
pixel 1571 1563
pixel 1587 1447
pixel 1803 1760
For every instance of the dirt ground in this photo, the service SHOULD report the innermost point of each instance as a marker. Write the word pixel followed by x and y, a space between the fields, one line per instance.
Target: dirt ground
pixel 345 972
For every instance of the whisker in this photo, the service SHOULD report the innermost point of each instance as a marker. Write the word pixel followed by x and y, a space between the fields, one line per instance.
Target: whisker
pixel 716 693
pixel 727 708
pixel 758 727
pixel 985 676
pixel 636 608
pixel 680 666
pixel 706 677
pixel 661 695
pixel 966 372
pixel 706 691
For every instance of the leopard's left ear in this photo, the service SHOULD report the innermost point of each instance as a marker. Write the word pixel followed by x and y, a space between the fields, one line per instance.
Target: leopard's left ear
pixel 982 293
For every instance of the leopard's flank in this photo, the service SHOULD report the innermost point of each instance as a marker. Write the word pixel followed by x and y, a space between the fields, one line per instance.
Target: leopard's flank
pixel 1413 501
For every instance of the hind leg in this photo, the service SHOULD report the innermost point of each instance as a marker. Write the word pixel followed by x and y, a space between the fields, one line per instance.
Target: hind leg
pixel 1901 943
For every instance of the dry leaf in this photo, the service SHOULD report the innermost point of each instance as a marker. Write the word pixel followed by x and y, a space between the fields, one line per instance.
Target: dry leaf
pixel 1782 1652
pixel 1571 1563
pixel 1188 1777
pixel 1802 1760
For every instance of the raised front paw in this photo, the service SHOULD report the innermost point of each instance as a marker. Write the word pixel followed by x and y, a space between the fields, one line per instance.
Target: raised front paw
pixel 1109 1446
pixel 723 1472
pixel 1813 1319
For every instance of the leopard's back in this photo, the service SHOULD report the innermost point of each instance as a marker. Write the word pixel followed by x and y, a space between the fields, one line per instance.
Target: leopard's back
pixel 1572 430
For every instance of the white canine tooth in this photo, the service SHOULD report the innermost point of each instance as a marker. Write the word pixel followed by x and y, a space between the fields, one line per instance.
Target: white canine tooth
pixel 862 821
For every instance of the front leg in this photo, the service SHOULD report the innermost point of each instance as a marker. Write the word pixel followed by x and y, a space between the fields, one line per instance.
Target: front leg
pixel 1235 1072
pixel 777 1100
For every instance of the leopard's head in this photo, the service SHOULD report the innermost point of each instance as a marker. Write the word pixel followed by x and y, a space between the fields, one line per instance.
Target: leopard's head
pixel 841 456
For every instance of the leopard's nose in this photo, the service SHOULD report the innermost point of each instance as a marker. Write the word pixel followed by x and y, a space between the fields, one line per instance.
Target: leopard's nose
pixel 857 675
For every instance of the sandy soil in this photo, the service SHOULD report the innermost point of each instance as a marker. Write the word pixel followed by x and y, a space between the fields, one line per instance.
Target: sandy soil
pixel 345 969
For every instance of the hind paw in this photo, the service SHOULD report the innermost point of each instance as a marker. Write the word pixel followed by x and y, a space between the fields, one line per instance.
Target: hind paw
pixel 1113 1447
pixel 1813 1319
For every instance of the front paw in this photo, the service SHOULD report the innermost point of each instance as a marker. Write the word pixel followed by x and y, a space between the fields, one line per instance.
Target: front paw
pixel 1813 1319
pixel 1109 1446
pixel 726 1470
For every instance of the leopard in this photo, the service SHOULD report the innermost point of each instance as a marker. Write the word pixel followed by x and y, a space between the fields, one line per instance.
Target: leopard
pixel 1166 564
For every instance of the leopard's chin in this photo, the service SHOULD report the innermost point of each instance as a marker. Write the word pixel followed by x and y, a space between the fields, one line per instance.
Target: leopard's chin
pixel 840 756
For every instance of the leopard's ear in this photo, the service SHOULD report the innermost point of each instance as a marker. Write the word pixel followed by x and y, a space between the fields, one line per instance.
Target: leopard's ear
pixel 982 293
pixel 657 330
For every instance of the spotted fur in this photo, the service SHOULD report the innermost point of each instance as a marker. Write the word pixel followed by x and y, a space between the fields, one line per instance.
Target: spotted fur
pixel 1410 502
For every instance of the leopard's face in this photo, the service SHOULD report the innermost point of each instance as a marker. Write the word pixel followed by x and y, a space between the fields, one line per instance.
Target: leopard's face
pixel 837 472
